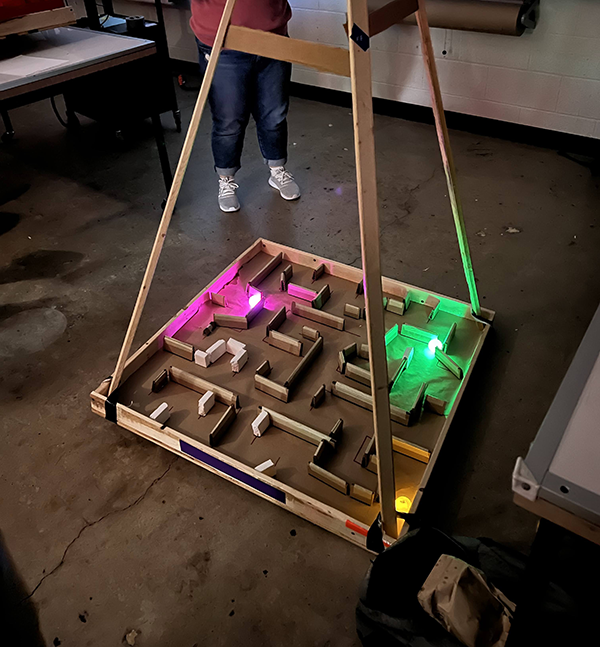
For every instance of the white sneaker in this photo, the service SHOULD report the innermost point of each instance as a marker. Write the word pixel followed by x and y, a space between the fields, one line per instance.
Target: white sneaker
pixel 284 182
pixel 228 200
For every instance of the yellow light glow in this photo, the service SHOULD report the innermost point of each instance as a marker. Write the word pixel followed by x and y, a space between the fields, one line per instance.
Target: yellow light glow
pixel 403 504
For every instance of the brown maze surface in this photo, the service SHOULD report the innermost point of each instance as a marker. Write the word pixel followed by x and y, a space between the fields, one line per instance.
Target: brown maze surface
pixel 293 454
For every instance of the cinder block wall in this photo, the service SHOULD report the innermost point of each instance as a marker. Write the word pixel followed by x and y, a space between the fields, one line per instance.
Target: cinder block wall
pixel 549 78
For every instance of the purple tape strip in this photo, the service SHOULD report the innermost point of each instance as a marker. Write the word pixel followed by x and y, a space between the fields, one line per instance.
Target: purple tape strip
pixel 198 454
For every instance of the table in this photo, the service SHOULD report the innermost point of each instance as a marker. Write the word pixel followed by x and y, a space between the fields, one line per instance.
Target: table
pixel 113 72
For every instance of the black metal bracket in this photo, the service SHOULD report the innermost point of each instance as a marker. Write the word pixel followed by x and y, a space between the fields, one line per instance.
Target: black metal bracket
pixel 359 37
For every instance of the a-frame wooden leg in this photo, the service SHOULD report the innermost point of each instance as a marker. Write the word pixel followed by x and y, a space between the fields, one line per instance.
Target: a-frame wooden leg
pixel 368 211
pixel 173 194
pixel 446 151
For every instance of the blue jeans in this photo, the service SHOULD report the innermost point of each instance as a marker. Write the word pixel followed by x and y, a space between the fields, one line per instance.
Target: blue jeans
pixel 244 85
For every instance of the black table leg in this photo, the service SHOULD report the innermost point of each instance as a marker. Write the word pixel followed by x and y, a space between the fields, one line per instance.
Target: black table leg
pixel 9 133
pixel 163 155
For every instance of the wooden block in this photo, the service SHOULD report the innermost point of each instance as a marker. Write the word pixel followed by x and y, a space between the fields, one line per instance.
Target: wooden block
pixel 358 374
pixel 264 271
pixel 433 305
pixel 350 351
pixel 397 306
pixel 318 272
pixel 448 338
pixel 305 362
pixel 365 400
pixel 180 348
pixel 322 297
pixel 391 334
pixel 239 360
pixel 218 299
pixel 234 346
pixel 230 321
pixel 269 387
pixel 360 288
pixel 369 450
pixel 404 364
pixel 411 450
pixel 318 315
pixel 341 362
pixel 267 468
pixel 264 369
pixel 300 292
pixel 373 463
pixel 296 428
pixel 161 414
pixel 195 383
pixel 289 272
pixel 36 21
pixel 212 326
pixel 449 363
pixel 285 342
pixel 254 311
pixel 362 494
pixel 417 408
pixel 418 334
pixel 278 318
pixel 436 405
pixel 328 478
pixel 282 283
pixel 206 403
pixel 160 381
pixel 323 452
pixel 202 358
pixel 217 350
pixel 363 351
pixel 221 427
pixel 319 397
pixel 310 333
pixel 261 423
pixel 352 311
pixel 337 429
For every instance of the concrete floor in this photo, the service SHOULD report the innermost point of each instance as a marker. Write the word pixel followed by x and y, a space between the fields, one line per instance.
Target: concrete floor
pixel 114 534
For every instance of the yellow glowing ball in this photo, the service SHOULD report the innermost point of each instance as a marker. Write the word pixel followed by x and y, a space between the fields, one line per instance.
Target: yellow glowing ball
pixel 403 504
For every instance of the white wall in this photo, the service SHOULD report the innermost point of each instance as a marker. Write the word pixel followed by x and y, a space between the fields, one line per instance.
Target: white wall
pixel 549 78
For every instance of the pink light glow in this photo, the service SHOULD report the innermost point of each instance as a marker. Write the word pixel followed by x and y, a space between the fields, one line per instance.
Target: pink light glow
pixel 254 298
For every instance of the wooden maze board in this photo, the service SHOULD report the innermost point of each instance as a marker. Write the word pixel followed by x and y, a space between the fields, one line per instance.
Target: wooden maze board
pixel 238 451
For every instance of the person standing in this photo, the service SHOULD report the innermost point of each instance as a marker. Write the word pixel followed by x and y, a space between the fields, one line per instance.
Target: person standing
pixel 244 85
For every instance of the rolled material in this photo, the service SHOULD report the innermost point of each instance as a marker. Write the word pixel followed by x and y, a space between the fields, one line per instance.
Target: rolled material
pixel 476 15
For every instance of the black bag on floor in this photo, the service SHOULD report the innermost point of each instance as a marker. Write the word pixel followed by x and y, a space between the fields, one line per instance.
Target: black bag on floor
pixel 388 613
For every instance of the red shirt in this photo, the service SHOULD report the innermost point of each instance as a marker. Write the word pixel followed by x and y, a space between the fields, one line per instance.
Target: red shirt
pixel 266 15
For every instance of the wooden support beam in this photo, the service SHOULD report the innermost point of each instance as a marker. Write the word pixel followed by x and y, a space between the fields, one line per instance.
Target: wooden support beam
pixel 362 494
pixel 446 152
pixel 322 297
pixel 390 14
pixel 284 342
pixel 271 264
pixel 324 58
pixel 195 383
pixel 365 400
pixel 328 478
pixel 300 292
pixel 305 362
pixel 448 363
pixel 319 397
pixel 319 316
pixel 39 21
pixel 270 387
pixel 184 158
pixel 179 348
pixel 278 318
pixel 221 427
pixel 296 428
pixel 310 333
